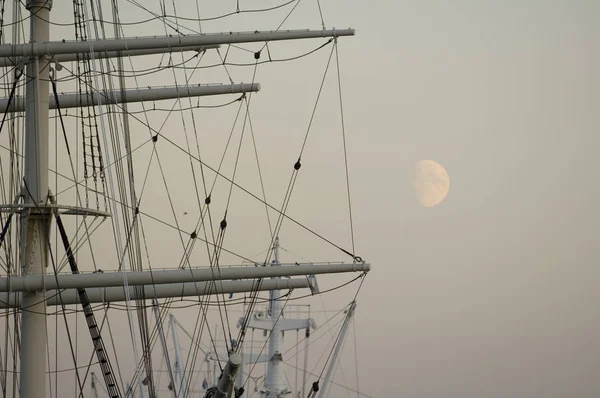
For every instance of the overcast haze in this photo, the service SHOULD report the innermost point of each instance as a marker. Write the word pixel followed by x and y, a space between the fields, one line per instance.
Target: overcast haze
pixel 491 294
pixel 494 292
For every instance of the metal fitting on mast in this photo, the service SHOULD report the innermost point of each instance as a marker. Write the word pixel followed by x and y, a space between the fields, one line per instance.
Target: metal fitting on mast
pixel 39 4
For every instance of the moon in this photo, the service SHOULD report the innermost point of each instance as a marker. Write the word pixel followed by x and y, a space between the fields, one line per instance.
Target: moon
pixel 431 183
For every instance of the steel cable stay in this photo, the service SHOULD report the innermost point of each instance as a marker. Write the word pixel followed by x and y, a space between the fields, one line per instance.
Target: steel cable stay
pixel 74 174
pixel 78 195
pixel 156 109
pixel 166 16
pixel 215 264
pixel 286 200
pixel 219 245
pixel 186 252
pixel 355 355
pixel 87 307
pixel 297 166
pixel 260 177
pixel 185 255
pixel 348 389
pixel 92 324
pixel 343 128
pixel 130 247
pixel 335 349
pixel 115 219
pixel 99 347
pixel 12 181
pixel 135 255
pixel 205 317
pixel 201 224
pixel 199 20
pixel 24 19
pixel 244 190
pixel 127 73
pixel 223 224
pixel 331 334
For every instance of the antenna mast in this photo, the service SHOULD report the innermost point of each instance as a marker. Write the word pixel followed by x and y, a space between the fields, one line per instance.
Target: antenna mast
pixel 275 323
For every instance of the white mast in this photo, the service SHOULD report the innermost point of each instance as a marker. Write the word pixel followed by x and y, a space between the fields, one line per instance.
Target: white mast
pixel 276 324
pixel 163 343
pixel 180 387
pixel 225 385
pixel 36 210
pixel 94 385
pixel 36 222
pixel 275 383
pixel 306 344
pixel 336 352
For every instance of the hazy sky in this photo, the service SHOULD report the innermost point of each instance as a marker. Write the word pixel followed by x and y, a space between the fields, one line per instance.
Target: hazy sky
pixel 491 294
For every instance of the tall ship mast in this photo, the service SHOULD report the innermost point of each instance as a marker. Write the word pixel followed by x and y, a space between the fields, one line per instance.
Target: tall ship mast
pixel 117 197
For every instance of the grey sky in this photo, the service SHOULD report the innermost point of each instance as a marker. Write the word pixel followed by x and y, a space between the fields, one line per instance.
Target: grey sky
pixel 491 294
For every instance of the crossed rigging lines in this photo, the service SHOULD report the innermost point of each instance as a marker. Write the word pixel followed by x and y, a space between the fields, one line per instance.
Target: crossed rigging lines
pixel 215 247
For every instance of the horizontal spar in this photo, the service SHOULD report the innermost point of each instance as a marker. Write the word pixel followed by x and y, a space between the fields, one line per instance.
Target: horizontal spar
pixel 190 289
pixel 140 43
pixel 145 94
pixel 107 279
pixel 108 54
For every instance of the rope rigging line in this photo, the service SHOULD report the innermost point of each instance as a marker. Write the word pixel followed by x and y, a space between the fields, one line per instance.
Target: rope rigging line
pixel 262 185
pixel 164 16
pixel 94 145
pixel 321 14
pixel 186 254
pixel 202 319
pixel 298 164
pixel 115 220
pixel 287 198
pixel 316 383
pixel 11 96
pixel 21 21
pixel 224 222
pixel 186 250
pixel 339 79
pixel 355 356
pixel 188 247
pixel 246 191
pixel 216 253
pixel 270 60
pixel 1 37
pixel 87 307
pixel 99 347
pixel 201 220
pixel 219 245
pixel 84 223
pixel 348 389
pixel 134 250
